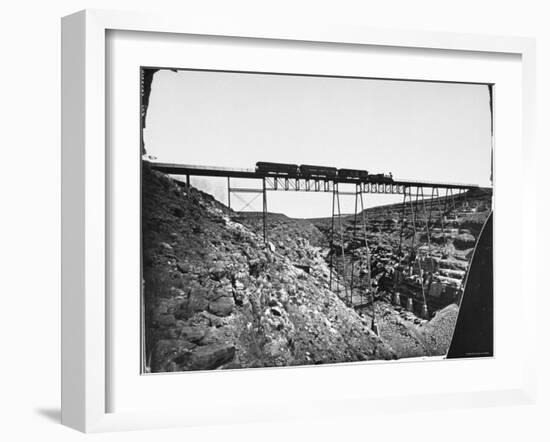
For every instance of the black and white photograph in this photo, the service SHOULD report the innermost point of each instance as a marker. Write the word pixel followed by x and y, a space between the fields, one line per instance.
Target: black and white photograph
pixel 293 220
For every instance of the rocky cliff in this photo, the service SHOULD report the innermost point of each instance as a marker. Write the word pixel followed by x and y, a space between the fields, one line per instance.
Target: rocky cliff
pixel 217 297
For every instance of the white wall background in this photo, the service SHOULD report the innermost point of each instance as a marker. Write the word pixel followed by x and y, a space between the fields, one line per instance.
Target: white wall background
pixel 30 219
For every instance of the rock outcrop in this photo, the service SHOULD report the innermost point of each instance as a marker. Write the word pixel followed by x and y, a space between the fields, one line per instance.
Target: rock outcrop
pixel 430 249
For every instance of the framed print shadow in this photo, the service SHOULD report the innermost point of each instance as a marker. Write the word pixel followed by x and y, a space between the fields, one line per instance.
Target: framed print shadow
pixel 252 210
pixel 278 228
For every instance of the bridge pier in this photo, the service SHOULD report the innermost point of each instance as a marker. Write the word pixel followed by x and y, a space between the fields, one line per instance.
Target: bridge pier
pixel 397 299
pixel 424 314
pixel 410 304
pixel 331 242
pixel 229 193
pixel 264 205
pixel 374 326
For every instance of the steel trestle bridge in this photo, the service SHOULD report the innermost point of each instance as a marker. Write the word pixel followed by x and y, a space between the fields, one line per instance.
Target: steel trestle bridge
pixel 442 194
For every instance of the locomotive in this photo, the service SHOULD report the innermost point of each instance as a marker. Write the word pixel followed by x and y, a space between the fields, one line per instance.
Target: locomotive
pixel 324 172
pixel 381 178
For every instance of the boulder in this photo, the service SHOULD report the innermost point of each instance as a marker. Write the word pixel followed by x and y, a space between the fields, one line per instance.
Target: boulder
pixel 218 272
pixel 166 247
pixel 197 300
pixel 183 267
pixel 210 357
pixel 239 296
pixel 166 321
pixel 192 334
pixel 464 241
pixel 166 349
pixel 218 292
pixel 256 266
pixel 222 306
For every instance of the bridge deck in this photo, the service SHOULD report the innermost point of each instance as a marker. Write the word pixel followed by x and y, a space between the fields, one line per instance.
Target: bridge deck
pixel 212 171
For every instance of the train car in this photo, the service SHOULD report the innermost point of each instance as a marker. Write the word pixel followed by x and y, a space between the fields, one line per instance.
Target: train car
pixel 277 168
pixel 309 171
pixel 381 178
pixel 352 174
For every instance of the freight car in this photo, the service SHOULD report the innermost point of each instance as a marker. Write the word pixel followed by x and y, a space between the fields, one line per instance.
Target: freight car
pixel 266 168
pixel 353 174
pixel 309 171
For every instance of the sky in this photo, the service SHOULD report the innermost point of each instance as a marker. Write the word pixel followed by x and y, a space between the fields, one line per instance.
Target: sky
pixel 416 130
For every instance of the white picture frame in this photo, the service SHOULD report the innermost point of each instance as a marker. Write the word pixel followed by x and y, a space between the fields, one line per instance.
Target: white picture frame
pixel 85 210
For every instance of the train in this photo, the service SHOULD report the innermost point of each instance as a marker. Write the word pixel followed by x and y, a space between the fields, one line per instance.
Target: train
pixel 323 172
